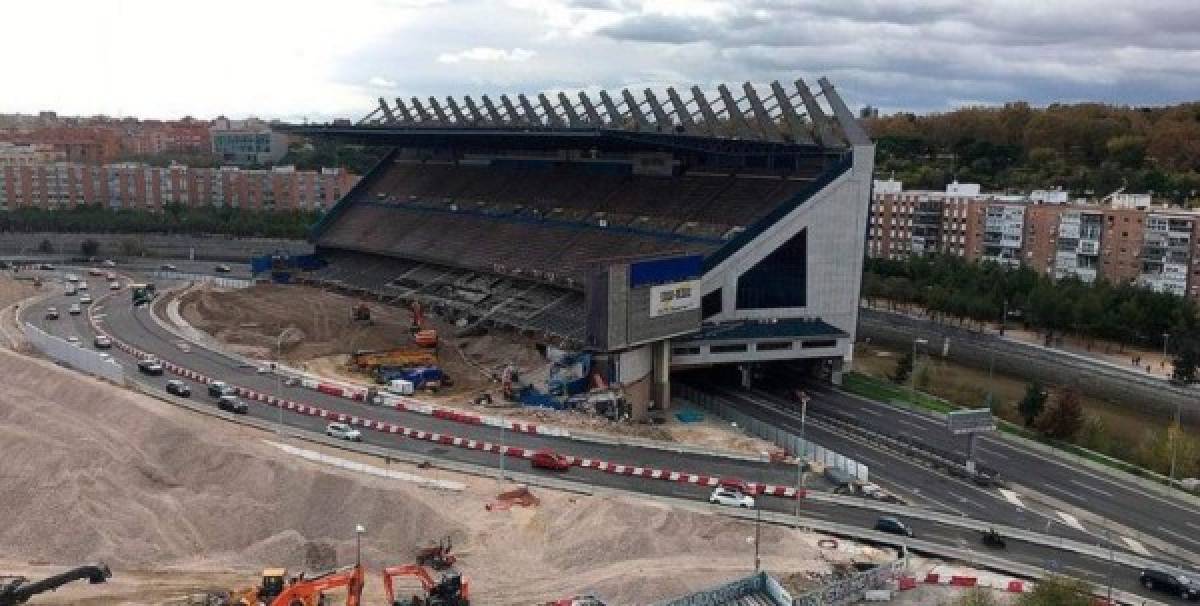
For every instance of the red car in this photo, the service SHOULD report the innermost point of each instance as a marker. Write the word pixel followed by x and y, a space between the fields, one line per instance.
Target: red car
pixel 548 459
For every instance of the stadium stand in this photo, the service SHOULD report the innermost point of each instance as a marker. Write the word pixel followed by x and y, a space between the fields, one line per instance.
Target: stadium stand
pixel 603 227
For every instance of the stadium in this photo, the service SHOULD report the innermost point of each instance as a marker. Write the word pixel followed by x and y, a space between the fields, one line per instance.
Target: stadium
pixel 654 236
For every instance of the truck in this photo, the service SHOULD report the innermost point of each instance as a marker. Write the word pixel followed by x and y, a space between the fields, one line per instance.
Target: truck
pixel 421 377
pixel 401 357
pixel 142 293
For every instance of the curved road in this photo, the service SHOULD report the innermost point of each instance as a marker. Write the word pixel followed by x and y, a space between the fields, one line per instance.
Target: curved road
pixel 135 326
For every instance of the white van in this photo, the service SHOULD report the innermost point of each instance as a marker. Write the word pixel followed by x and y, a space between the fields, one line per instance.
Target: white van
pixel 400 387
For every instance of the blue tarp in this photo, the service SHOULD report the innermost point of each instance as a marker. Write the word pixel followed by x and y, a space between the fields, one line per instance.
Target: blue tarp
pixel 533 398
pixel 260 264
pixel 663 271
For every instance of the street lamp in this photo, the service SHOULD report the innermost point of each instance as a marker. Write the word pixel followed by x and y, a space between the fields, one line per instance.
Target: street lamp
pixel 359 531
pixel 1166 339
pixel 802 452
pixel 913 373
pixel 275 367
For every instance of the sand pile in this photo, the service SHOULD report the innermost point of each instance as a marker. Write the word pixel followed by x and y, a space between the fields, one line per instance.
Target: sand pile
pixel 92 472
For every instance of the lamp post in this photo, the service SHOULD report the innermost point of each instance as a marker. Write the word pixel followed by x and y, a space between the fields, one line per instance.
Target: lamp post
pixel 359 531
pixel 802 452
pixel 913 374
pixel 757 535
pixel 275 368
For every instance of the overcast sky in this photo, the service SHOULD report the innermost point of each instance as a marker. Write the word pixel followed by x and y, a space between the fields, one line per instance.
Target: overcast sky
pixel 331 58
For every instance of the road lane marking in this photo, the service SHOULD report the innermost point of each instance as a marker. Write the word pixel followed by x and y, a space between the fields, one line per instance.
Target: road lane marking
pixel 1085 571
pixel 1012 497
pixel 1177 535
pixel 909 423
pixel 1091 488
pixel 991 453
pixel 1136 546
pixel 1070 520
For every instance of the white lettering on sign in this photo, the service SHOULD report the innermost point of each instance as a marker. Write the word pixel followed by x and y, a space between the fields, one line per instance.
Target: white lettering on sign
pixel 673 298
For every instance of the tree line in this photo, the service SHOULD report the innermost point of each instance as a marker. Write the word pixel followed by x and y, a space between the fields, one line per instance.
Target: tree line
pixel 953 289
pixel 172 219
pixel 1088 149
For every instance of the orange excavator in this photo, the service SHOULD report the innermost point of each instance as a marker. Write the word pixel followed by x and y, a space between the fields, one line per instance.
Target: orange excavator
pixel 424 337
pixel 451 590
pixel 276 590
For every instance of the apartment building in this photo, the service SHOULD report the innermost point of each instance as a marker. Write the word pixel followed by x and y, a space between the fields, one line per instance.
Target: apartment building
pixel 130 185
pixel 12 154
pixel 1123 239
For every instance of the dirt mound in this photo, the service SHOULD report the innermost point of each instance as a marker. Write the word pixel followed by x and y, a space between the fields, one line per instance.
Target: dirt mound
pixel 93 472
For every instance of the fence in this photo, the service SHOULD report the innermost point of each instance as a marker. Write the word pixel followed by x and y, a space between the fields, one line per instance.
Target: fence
pixel 759 584
pixel 852 588
pixel 214 280
pixel 789 442
pixel 79 358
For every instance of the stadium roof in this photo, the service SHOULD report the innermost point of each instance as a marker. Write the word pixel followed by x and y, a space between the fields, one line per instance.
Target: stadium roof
pixel 747 330
pixel 746 119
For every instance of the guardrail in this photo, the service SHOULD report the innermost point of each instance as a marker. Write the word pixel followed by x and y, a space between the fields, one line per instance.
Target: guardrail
pixel 791 443
pixel 193 277
pixel 79 358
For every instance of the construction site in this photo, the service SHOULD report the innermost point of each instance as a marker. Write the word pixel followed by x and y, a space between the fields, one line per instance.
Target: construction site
pixel 184 507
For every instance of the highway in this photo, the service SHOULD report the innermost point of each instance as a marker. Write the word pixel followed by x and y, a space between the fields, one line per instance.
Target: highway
pixel 135 326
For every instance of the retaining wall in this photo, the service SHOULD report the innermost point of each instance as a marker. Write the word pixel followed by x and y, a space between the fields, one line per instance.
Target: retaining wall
pixel 79 358
pixel 171 246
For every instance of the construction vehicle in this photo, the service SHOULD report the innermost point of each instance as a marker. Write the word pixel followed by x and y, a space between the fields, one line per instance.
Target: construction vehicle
pixel 400 357
pixel 422 335
pixel 450 590
pixel 18 590
pixel 276 589
pixel 437 555
pixel 361 314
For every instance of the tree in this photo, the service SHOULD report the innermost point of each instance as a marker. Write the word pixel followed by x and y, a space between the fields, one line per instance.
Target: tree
pixel 1187 358
pixel 89 247
pixel 976 596
pixel 131 247
pixel 45 247
pixel 1057 591
pixel 1065 418
pixel 1033 403
pixel 904 368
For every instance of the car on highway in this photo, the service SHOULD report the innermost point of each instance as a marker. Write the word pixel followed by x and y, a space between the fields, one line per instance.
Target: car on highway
pixel 168 267
pixel 548 459
pixel 109 263
pixel 150 366
pixel 73 340
pixel 343 431
pixel 95 271
pixel 110 276
pixel 82 286
pixel 72 278
pixel 176 387
pixel 731 498
pixel 222 269
pixel 231 403
pixel 1169 582
pixel 892 525
pixel 74 309
pixel 70 290
pixel 114 285
pixel 46 266
pixel 51 313
pixel 102 342
pixel 217 389
pixel 85 300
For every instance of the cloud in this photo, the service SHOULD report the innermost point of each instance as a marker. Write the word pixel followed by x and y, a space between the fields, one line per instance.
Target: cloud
pixel 381 82
pixel 487 54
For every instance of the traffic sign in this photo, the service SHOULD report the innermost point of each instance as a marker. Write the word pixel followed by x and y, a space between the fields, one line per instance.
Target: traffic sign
pixel 962 422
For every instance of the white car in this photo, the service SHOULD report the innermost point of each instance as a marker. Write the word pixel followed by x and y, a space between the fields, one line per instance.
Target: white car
pixel 85 300
pixel 74 309
pixel 109 263
pixel 343 431
pixel 114 286
pixel 73 340
pixel 82 286
pixel 732 498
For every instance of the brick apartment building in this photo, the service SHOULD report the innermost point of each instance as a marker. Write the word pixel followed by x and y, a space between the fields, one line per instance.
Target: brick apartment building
pixel 1125 239
pixel 61 185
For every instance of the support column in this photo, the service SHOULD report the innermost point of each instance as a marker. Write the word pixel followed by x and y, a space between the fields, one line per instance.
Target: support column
pixel 837 366
pixel 744 372
pixel 661 352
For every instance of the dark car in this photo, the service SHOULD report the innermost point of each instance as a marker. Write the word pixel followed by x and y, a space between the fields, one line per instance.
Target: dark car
pixel 222 269
pixel 232 404
pixel 150 366
pixel 1169 582
pixel 179 388
pixel 217 389
pixel 892 525
pixel 167 267
pixel 102 342
pixel 548 459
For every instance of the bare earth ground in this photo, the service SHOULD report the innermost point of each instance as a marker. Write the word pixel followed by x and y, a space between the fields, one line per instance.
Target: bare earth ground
pixel 176 503
pixel 249 320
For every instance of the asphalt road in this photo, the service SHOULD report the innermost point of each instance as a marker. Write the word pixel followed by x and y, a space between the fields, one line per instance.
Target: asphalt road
pixel 136 327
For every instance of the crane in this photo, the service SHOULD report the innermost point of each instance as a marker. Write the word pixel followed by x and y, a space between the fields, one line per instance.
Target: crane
pixel 307 592
pixel 451 590
pixel 18 590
